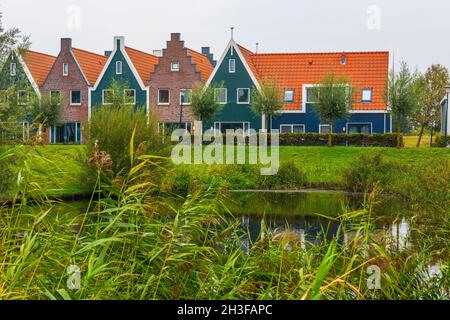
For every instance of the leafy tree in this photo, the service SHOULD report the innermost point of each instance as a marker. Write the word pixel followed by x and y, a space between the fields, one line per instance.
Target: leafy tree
pixel 115 96
pixel 401 95
pixel 333 99
pixel 430 88
pixel 204 104
pixel 11 39
pixel 267 100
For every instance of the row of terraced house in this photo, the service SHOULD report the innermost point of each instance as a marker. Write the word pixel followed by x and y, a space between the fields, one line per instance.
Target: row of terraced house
pixel 162 81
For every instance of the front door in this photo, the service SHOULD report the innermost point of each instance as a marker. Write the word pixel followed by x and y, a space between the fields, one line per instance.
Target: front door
pixel 66 133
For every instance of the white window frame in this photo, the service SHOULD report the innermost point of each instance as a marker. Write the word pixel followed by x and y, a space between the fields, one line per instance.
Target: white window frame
pixel 12 69
pixel 359 123
pixel 119 67
pixel 232 62
pixel 292 127
pixel 293 96
pixel 103 97
pixel 65 69
pixel 237 96
pixel 185 90
pixel 362 95
pixel 163 103
pixel 81 97
pixel 172 64
pixel 216 95
pixel 125 96
pixel 162 126
pixel 218 126
pixel 18 94
pixel 324 125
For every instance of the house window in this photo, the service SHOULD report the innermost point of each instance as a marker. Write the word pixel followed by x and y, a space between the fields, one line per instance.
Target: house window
pixel 364 128
pixel 65 69
pixel 22 97
pixel 185 96
pixel 366 95
pixel 220 94
pixel 130 96
pixel 232 65
pixel 166 128
pixel 243 96
pixel 75 98
pixel 310 95
pixel 12 69
pixel 107 96
pixel 163 96
pixel 292 128
pixel 175 66
pixel 289 95
pixel 119 67
pixel 324 128
pixel 343 59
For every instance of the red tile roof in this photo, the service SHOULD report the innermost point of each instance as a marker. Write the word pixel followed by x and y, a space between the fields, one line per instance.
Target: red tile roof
pixel 143 62
pixel 202 62
pixel 39 65
pixel 90 63
pixel 293 70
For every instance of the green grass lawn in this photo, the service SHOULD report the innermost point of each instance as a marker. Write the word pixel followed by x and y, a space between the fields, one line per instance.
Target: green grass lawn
pixel 57 168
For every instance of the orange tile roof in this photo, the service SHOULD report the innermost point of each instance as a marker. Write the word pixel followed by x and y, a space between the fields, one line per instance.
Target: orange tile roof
pixel 90 63
pixel 293 70
pixel 39 65
pixel 202 62
pixel 143 62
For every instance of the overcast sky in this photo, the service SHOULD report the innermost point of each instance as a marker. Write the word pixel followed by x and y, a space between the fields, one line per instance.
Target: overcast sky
pixel 417 31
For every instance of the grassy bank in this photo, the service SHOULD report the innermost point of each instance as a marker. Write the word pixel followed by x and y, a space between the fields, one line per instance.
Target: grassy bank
pixel 58 169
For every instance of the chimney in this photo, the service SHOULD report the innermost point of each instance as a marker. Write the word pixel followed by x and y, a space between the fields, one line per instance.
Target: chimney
pixel 175 37
pixel 108 53
pixel 157 53
pixel 66 44
pixel 119 43
pixel 206 51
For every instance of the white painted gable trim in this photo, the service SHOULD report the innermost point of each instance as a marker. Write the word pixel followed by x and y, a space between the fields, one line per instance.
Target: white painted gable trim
pixel 28 73
pixel 232 45
pixel 79 67
pixel 127 59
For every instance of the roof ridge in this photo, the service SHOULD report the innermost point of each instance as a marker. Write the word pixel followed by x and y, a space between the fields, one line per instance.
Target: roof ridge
pixel 90 52
pixel 42 53
pixel 320 53
pixel 140 51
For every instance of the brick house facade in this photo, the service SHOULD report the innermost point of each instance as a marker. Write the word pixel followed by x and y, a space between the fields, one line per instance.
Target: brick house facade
pixel 178 69
pixel 73 72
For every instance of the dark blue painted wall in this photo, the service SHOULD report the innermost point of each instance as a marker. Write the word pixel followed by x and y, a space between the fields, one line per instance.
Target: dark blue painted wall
pixel 380 121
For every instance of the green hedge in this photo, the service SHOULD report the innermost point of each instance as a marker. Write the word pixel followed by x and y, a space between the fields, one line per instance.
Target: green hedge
pixel 358 140
pixel 439 141
pixel 342 139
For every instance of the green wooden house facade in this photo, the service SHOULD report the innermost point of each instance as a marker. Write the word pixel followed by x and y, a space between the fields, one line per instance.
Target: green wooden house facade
pixel 238 82
pixel 120 68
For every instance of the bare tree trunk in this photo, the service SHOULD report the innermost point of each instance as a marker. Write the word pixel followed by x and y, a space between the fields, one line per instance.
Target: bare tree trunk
pixel 399 128
pixel 420 135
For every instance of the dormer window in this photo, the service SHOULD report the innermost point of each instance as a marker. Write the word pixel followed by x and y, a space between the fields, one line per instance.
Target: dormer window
pixel 366 95
pixel 119 67
pixel 289 95
pixel 175 66
pixel 12 69
pixel 343 59
pixel 65 69
pixel 232 66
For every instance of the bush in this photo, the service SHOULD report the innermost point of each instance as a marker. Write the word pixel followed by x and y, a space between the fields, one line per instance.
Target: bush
pixel 439 141
pixel 289 176
pixel 357 140
pixel 366 171
pixel 179 181
pixel 112 129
